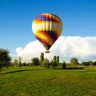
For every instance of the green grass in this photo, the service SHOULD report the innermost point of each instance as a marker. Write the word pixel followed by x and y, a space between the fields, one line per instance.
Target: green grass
pixel 37 81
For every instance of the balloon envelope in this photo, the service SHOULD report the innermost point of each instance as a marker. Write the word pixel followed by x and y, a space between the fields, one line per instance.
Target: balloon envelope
pixel 47 28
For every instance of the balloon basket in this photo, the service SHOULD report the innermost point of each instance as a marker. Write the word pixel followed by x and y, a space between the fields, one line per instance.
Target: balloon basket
pixel 47 51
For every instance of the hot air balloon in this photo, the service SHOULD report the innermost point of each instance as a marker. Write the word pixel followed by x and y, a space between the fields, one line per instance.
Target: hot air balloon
pixel 47 29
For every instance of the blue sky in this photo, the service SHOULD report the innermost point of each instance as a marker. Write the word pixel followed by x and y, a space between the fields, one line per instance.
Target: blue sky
pixel 16 16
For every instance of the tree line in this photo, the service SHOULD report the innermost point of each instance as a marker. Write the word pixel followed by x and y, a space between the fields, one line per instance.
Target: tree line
pixel 5 61
pixel 35 61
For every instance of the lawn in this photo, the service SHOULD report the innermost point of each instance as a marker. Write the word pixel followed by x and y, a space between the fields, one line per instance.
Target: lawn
pixel 38 81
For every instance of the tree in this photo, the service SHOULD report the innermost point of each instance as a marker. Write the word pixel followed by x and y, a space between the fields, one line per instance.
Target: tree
pixel 29 64
pixel 15 62
pixel 54 59
pixel 5 59
pixel 74 61
pixel 57 59
pixel 83 63
pixel 64 65
pixel 19 61
pixel 35 61
pixel 95 63
pixel 91 63
pixel 41 57
pixel 24 64
pixel 46 63
pixel 53 62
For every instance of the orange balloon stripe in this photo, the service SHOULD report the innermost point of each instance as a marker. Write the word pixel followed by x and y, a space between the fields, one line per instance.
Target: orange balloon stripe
pixel 37 20
pixel 47 38
pixel 47 35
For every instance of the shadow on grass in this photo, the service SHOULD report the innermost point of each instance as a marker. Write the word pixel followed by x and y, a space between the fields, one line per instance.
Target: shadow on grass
pixel 72 68
pixel 15 71
pixel 75 68
pixel 21 71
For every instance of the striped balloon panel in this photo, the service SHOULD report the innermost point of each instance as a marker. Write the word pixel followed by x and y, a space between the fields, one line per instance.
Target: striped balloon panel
pixel 47 28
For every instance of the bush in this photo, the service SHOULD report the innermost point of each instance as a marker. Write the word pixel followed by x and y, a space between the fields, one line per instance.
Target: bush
pixel 91 63
pixel 85 63
pixel 29 64
pixel 95 63
pixel 24 63
pixel 64 65
pixel 35 61
pixel 45 63
pixel 74 61
pixel 15 63
pixel 53 64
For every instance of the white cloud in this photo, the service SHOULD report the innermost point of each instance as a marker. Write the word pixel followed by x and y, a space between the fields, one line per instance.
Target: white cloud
pixel 69 46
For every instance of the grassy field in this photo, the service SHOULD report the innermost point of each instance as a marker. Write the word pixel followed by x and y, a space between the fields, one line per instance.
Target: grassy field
pixel 37 81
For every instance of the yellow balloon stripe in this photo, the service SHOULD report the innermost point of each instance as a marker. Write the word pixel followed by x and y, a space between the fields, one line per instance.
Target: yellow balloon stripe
pixel 39 22
pixel 47 26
